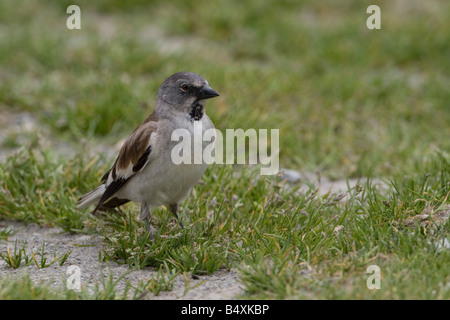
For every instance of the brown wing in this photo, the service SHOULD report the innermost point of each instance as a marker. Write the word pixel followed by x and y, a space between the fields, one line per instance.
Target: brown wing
pixel 133 157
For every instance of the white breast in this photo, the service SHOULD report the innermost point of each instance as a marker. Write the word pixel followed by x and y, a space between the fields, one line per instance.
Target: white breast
pixel 163 182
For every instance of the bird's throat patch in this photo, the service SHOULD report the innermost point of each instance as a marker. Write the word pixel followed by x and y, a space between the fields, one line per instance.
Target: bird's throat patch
pixel 196 112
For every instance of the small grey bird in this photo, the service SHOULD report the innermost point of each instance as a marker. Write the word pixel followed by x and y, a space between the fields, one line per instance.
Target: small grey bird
pixel 144 171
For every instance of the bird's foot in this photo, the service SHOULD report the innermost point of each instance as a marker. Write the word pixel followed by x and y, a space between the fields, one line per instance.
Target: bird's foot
pixel 149 230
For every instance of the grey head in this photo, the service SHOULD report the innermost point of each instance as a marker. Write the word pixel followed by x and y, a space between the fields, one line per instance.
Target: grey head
pixel 184 92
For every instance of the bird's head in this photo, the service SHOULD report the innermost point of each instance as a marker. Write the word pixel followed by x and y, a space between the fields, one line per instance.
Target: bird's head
pixel 184 91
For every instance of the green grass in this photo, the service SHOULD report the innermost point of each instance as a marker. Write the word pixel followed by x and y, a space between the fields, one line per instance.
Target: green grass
pixel 349 102
pixel 281 235
pixel 6 232
pixel 19 257
pixel 373 93
pixel 40 188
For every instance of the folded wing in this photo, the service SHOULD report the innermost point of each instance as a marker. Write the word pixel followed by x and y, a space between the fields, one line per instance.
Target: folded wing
pixel 134 155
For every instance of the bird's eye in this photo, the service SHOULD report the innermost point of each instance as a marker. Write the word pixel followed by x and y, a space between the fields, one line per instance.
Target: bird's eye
pixel 185 87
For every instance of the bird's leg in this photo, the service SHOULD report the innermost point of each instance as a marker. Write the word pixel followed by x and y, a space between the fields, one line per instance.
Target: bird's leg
pixel 145 215
pixel 174 208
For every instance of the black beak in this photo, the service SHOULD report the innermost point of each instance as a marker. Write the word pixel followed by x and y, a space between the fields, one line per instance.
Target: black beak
pixel 206 92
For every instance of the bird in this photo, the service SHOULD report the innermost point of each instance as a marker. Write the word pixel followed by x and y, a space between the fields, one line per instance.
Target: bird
pixel 143 171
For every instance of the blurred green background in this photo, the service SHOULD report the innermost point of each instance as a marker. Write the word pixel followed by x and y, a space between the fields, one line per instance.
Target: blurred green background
pixel 348 101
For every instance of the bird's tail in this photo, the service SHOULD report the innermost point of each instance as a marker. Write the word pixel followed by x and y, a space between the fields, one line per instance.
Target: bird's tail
pixel 91 198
